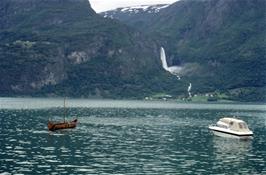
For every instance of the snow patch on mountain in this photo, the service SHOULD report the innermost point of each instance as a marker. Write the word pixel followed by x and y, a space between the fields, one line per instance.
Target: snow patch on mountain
pixel 155 8
pixel 135 10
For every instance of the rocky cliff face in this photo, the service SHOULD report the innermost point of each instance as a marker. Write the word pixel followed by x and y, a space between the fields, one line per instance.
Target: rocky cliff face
pixel 225 36
pixel 30 58
pixel 63 47
pixel 41 14
pixel 224 40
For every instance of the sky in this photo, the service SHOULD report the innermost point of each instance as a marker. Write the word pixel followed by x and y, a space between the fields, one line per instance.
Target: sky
pixel 104 5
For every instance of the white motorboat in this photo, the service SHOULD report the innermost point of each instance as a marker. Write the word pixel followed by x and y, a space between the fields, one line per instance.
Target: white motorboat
pixel 231 127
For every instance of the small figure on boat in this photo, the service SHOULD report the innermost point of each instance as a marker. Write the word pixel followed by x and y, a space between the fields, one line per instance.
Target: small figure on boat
pixel 53 126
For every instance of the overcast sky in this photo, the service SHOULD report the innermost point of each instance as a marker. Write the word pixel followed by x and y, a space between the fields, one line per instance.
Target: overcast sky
pixel 104 5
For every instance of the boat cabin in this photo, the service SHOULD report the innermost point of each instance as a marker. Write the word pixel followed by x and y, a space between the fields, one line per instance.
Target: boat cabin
pixel 233 124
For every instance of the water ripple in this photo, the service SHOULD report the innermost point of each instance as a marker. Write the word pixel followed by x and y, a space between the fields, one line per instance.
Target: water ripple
pixel 128 141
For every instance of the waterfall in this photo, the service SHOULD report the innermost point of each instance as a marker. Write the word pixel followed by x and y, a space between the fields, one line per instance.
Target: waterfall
pixel 189 89
pixel 175 70
pixel 163 59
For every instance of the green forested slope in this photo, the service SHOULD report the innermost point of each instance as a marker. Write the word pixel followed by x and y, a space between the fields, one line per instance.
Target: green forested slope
pixel 223 41
pixel 54 47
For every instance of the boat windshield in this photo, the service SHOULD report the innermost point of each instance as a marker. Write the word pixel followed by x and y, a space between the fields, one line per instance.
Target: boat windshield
pixel 243 125
pixel 222 126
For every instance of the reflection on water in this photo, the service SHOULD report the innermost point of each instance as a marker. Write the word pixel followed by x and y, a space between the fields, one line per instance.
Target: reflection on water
pixel 128 141
pixel 234 155
pixel 228 146
pixel 231 153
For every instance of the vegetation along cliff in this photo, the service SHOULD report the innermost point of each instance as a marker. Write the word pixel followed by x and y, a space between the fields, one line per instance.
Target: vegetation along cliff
pixel 63 48
pixel 220 43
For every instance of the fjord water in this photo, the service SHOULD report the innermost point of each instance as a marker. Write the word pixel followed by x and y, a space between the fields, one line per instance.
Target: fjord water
pixel 127 137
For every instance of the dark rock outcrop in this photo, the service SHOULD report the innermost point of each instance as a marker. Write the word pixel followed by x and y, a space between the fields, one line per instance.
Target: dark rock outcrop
pixel 62 47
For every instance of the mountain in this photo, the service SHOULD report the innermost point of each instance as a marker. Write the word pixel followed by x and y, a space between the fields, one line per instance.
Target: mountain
pixel 135 15
pixel 63 48
pixel 220 44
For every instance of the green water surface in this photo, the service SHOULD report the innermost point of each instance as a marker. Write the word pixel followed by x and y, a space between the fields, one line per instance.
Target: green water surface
pixel 127 137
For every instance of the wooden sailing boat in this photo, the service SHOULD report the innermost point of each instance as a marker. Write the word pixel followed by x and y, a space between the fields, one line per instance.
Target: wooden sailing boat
pixel 53 126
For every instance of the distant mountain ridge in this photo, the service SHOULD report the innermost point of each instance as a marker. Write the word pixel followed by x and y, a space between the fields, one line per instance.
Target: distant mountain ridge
pixel 133 10
pixel 220 44
pixel 63 48
pixel 55 47
pixel 135 15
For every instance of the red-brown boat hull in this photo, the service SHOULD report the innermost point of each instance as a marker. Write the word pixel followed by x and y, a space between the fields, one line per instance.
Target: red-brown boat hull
pixel 63 125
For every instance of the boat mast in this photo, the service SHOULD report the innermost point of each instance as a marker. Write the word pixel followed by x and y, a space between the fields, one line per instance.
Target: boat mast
pixel 64 109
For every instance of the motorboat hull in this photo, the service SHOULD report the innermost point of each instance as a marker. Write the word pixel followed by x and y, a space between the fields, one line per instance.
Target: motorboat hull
pixel 230 134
